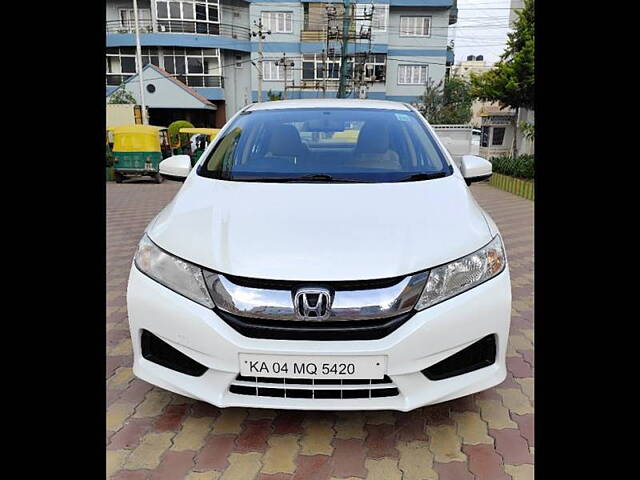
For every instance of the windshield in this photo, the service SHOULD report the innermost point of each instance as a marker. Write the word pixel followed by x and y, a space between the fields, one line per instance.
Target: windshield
pixel 326 145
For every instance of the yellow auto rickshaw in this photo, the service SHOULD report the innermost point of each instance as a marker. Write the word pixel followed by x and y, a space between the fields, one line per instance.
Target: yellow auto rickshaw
pixel 201 144
pixel 138 151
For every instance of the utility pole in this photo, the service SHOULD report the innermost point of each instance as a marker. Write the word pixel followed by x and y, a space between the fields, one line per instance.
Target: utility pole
pixel 346 24
pixel 283 61
pixel 261 36
pixel 145 121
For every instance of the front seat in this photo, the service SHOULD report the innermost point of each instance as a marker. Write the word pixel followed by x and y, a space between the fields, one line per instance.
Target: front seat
pixel 372 149
pixel 285 143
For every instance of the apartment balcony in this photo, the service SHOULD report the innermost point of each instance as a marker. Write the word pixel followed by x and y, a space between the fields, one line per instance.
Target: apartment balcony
pixel 182 27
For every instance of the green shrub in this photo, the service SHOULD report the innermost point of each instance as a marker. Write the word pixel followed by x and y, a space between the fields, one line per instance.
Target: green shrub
pixel 173 133
pixel 521 166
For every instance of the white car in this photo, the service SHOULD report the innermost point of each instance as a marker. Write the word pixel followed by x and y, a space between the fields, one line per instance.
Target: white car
pixel 322 255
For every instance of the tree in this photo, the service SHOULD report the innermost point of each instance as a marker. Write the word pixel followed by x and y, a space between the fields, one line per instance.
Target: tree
pixel 176 138
pixel 448 104
pixel 122 96
pixel 511 82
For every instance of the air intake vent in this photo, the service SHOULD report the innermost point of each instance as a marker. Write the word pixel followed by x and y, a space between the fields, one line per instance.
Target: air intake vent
pixel 474 357
pixel 310 388
pixel 160 352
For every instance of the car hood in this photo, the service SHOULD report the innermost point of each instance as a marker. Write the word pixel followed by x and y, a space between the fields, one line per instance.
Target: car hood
pixel 320 231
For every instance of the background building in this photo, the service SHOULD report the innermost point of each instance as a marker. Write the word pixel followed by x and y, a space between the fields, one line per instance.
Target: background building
pixel 208 46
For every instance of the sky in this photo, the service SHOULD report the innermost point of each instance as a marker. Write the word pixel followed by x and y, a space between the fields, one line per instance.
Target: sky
pixel 481 29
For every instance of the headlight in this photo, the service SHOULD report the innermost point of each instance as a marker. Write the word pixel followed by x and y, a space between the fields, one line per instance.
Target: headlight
pixel 172 272
pixel 462 274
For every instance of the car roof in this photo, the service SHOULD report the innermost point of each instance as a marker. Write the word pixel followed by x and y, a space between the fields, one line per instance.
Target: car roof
pixel 328 103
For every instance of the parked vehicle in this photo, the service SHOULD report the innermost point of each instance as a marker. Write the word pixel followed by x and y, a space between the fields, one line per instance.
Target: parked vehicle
pixel 322 274
pixel 138 151
pixel 206 137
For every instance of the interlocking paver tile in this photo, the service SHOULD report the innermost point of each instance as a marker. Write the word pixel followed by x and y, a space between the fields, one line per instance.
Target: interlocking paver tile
pixel 471 428
pixel 453 471
pixel 254 436
pixel 174 465
pixel 525 425
pixel 317 437
pixel 280 455
pixel 515 400
pixel 512 446
pixel 495 414
pixel 214 455
pixel 117 413
pixel 154 403
pixel 177 437
pixel 194 431
pixel 350 425
pixel 383 469
pixel 128 437
pixel 519 472
pixel 527 386
pixel 484 462
pixel 445 444
pixel 115 460
pixel 381 441
pixel 120 378
pixel 230 421
pixel 148 453
pixel 416 461
pixel 349 458
pixel 242 466
pixel 312 467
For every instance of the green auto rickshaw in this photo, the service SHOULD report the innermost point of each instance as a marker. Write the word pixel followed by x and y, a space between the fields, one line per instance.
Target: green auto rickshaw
pixel 207 134
pixel 138 151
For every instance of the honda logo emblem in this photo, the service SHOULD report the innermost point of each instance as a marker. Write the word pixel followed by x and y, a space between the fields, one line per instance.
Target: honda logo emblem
pixel 312 304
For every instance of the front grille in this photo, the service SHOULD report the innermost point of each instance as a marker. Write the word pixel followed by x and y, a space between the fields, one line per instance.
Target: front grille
pixel 477 355
pixel 326 330
pixel 314 388
pixel 160 352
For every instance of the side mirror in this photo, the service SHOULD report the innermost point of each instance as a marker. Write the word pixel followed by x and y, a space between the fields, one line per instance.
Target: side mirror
pixel 475 169
pixel 176 167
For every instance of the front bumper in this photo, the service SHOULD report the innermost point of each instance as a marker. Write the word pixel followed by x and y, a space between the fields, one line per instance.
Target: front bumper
pixel 427 338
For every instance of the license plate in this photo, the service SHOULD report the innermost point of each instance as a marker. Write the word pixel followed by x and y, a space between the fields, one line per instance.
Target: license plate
pixel 316 366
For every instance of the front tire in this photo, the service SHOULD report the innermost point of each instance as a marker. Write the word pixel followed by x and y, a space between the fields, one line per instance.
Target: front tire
pixel 118 177
pixel 158 178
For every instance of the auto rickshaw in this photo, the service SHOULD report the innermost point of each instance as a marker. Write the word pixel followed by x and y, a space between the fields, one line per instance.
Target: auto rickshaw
pixel 138 150
pixel 208 133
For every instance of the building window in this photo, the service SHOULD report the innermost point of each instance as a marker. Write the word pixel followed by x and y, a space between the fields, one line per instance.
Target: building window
pixel 412 74
pixel 127 21
pixel 196 67
pixel 271 71
pixel 277 22
pixel 498 135
pixel 379 19
pixel 313 68
pixel 121 62
pixel 375 69
pixel 202 16
pixel 415 26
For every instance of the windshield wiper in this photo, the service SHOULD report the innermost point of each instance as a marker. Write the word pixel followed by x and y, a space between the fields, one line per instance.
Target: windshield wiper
pixel 314 177
pixel 422 176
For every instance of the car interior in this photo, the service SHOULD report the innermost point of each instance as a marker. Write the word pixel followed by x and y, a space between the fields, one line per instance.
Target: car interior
pixel 375 146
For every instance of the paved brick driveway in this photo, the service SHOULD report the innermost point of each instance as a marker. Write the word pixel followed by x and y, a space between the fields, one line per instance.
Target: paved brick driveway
pixel 154 434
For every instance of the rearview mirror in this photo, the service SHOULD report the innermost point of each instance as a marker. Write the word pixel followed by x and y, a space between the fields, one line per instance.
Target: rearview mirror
pixel 475 169
pixel 176 167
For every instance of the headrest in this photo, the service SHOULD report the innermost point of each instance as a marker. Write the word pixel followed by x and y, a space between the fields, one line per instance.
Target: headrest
pixel 373 138
pixel 285 141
